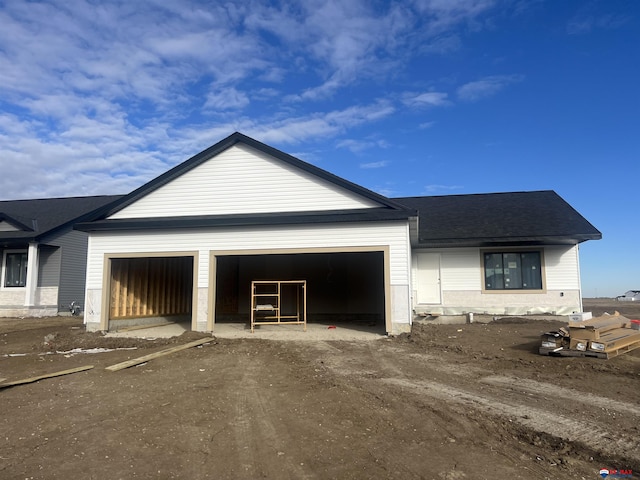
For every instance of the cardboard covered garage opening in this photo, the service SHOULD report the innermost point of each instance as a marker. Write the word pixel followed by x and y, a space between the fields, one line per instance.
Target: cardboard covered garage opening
pixel 150 291
pixel 343 289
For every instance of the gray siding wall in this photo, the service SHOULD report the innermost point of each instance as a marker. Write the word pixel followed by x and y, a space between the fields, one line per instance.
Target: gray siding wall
pixel 49 266
pixel 73 264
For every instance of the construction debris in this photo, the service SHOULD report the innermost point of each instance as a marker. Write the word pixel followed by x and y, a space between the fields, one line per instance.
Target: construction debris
pixel 139 360
pixel 602 337
pixel 47 375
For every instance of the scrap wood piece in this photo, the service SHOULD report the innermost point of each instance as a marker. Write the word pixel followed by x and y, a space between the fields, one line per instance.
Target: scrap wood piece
pixel 47 375
pixel 151 356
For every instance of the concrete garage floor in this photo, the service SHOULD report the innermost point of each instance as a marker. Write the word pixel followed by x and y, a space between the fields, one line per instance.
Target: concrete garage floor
pixel 315 331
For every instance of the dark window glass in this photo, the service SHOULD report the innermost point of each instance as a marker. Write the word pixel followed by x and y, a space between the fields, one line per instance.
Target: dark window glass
pixel 512 271
pixel 15 274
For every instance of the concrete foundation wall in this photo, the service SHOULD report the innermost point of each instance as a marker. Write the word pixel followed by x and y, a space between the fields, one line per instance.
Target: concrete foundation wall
pixel 458 302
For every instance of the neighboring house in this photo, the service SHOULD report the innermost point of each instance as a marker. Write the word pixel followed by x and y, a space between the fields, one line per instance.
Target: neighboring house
pixel 43 258
pixel 187 245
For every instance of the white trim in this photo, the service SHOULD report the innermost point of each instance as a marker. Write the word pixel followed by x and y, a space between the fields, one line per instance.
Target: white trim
pixel 31 281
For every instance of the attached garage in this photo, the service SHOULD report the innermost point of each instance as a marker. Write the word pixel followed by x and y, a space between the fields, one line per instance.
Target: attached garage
pixel 342 287
pixel 188 244
pixel 145 290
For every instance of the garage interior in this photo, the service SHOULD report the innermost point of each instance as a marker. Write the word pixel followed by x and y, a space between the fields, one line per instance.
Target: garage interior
pixel 150 291
pixel 343 289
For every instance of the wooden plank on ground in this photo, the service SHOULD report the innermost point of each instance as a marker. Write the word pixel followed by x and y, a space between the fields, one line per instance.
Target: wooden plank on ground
pixel 47 375
pixel 151 356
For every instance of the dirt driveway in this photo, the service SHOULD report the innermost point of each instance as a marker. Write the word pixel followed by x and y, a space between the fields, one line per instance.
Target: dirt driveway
pixel 445 402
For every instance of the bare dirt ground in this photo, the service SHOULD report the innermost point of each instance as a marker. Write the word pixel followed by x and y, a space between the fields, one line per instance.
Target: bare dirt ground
pixel 471 401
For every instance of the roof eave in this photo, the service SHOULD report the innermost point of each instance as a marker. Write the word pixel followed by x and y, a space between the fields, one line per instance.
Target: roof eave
pixel 508 241
pixel 269 219
pixel 16 242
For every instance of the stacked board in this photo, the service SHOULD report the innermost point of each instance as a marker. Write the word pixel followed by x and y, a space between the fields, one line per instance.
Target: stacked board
pixel 603 337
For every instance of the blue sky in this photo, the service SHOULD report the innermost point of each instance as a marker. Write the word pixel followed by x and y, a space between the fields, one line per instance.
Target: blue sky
pixel 416 97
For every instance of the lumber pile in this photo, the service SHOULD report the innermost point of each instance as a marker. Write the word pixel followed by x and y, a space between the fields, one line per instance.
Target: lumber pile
pixel 602 337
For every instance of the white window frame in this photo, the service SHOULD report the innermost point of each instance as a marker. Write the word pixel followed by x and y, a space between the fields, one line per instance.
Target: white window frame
pixel 4 268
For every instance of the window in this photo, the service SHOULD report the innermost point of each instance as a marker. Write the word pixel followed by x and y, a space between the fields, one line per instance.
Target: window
pixel 15 269
pixel 512 271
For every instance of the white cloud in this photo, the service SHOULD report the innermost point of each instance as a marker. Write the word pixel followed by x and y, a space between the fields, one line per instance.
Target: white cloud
pixel 586 24
pixel 226 99
pixel 595 15
pixel 436 188
pixel 486 87
pixel 441 15
pixel 380 164
pixel 320 125
pixel 441 45
pixel 101 97
pixel 358 146
pixel 427 99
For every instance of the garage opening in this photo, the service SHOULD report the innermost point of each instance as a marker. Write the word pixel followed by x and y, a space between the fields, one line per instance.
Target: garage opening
pixel 346 288
pixel 151 291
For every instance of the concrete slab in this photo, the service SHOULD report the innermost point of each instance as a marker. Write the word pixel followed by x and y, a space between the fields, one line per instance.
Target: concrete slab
pixel 315 331
pixel 163 331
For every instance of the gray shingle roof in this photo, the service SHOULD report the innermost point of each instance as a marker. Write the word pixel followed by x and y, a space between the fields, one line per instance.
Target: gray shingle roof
pixel 539 217
pixel 37 218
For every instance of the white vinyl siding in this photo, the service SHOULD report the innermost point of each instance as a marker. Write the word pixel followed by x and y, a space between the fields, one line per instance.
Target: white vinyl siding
pixel 462 280
pixel 562 269
pixel 461 269
pixel 242 180
pixel 394 235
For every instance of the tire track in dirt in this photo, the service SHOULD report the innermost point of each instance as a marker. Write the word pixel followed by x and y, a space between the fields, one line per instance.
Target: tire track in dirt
pixel 251 423
pixel 377 363
pixel 504 396
pixel 241 429
pixel 593 435
pixel 561 392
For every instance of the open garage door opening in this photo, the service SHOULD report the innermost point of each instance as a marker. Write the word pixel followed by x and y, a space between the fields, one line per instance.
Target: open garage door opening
pixel 342 289
pixel 150 291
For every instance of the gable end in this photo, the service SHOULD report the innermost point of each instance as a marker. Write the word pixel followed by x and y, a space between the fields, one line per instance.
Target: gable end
pixel 353 196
